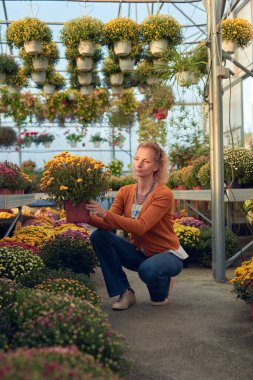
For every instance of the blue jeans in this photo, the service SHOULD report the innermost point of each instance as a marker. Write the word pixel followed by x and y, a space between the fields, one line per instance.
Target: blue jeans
pixel 114 253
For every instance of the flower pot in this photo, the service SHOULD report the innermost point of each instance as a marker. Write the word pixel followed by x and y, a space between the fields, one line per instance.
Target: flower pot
pixel 251 312
pixel 13 89
pixel 76 214
pixel 39 77
pixel 126 65
pixel 228 46
pixel 116 90
pixel 122 48
pixel 117 79
pixel 143 88
pixel 180 187
pixel 48 89
pixel 85 79
pixel 2 77
pixel 28 144
pixel 86 48
pixel 84 64
pixel 33 47
pixel 47 144
pixel 152 79
pixel 73 144
pixel 40 64
pixel 161 113
pixel 86 90
pixel 96 144
pixel 158 48
pixel 196 187
pixel 5 191
pixel 186 78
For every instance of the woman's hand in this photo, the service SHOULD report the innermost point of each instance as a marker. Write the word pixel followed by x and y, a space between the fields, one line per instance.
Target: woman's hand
pixel 96 208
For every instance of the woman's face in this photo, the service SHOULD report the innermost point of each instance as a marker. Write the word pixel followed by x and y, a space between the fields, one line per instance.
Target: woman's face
pixel 144 162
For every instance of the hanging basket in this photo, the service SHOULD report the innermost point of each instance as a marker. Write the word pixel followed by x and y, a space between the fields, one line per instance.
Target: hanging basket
pixel 152 79
pixel 186 78
pixel 158 48
pixel 86 48
pixel 33 47
pixel 117 79
pixel 2 77
pixel 85 79
pixel 76 214
pixel 228 46
pixel 84 64
pixel 47 144
pixel 13 89
pixel 86 90
pixel 126 65
pixel 96 144
pixel 116 90
pixel 39 77
pixel 48 89
pixel 122 48
pixel 40 64
pixel 161 113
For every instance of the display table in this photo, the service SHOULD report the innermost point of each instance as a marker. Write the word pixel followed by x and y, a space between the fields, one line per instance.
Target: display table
pixel 13 201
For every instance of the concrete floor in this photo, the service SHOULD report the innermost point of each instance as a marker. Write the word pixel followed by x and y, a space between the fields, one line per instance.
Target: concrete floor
pixel 203 334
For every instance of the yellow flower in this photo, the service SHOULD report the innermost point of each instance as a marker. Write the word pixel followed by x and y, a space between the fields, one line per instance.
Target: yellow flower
pixel 89 170
pixel 79 180
pixel 64 187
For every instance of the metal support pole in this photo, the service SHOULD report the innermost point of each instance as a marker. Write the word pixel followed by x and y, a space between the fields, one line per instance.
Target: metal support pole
pixel 217 190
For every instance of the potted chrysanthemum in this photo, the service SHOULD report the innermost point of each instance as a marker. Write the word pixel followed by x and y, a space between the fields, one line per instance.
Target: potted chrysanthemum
pixel 73 181
pixel 83 33
pixel 243 283
pixel 28 32
pixel 235 32
pixel 121 33
pixel 161 32
pixel 49 56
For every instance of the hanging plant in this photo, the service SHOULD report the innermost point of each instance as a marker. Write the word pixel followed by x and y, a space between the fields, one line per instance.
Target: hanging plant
pixel 161 28
pixel 19 79
pixel 81 29
pixel 55 79
pixel 8 66
pixel 49 51
pixel 149 130
pixel 121 29
pixel 27 29
pixel 8 137
pixel 237 30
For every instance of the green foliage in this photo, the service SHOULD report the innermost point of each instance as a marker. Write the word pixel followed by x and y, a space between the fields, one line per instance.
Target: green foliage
pixel 205 246
pixel 8 136
pixel 150 130
pixel 97 137
pixel 37 277
pixel 71 252
pixel 8 65
pixel 116 183
pixel 8 289
pixel 16 261
pixel 204 176
pixel 71 287
pixel 45 319
pixel 116 167
pixel 56 362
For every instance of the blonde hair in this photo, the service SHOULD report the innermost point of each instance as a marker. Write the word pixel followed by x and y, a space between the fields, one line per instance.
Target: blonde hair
pixel 161 175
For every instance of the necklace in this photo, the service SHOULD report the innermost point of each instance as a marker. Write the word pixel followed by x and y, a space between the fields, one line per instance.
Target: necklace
pixel 140 199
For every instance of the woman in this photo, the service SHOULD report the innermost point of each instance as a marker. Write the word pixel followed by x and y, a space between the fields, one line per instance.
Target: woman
pixel 145 210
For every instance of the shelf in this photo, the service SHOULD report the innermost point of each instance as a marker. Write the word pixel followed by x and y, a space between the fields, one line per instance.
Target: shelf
pixel 16 200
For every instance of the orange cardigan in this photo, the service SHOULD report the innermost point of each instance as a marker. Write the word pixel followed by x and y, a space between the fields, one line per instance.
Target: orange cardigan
pixel 153 228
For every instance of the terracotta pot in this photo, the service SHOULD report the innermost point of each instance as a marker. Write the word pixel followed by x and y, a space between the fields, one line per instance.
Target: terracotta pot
pixel 122 48
pixel 5 191
pixel 87 48
pixel 33 47
pixel 180 187
pixel 76 214
pixel 196 187
pixel 161 113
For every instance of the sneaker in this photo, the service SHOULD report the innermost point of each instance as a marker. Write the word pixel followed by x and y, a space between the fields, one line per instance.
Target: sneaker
pixel 167 300
pixel 126 300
